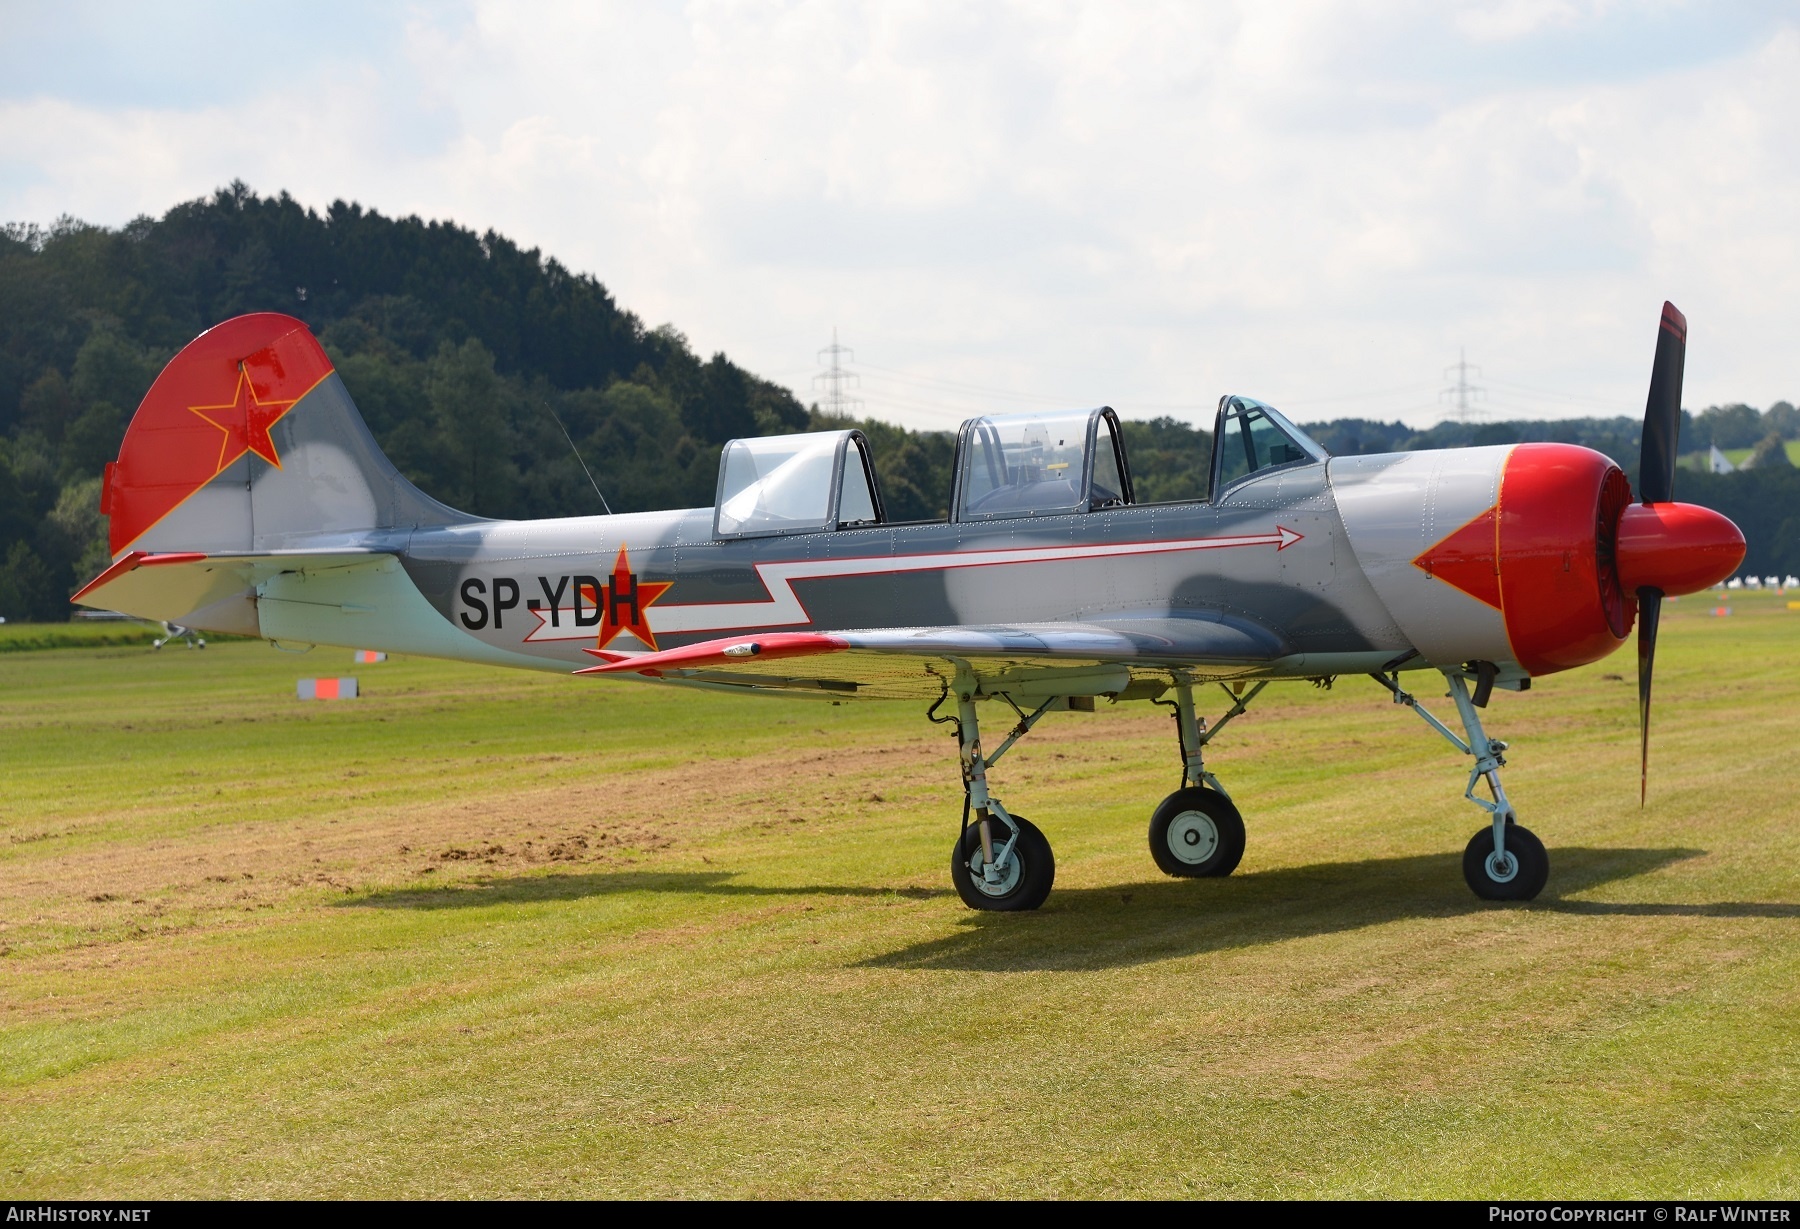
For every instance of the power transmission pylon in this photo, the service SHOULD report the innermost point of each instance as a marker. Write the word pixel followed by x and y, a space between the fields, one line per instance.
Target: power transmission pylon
pixel 835 380
pixel 1462 390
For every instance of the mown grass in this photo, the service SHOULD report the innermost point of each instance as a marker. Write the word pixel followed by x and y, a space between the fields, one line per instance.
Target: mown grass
pixel 84 634
pixel 1737 456
pixel 490 933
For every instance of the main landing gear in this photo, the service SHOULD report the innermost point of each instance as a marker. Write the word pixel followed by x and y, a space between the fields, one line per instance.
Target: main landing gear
pixel 1502 861
pixel 1196 832
pixel 1000 862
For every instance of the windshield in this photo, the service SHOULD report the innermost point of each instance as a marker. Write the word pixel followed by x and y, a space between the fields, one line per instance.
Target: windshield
pixel 1253 437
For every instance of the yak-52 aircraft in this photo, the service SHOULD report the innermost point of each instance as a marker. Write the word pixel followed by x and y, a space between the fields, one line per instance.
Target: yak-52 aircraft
pixel 249 497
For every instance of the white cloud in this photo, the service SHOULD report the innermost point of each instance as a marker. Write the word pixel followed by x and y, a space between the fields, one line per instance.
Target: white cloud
pixel 1147 205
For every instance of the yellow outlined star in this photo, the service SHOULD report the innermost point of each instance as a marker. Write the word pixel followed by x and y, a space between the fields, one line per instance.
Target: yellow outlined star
pixel 246 423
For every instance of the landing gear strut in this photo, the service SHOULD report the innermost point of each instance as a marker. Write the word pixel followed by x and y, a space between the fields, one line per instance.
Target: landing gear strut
pixel 1196 832
pixel 1001 862
pixel 1503 861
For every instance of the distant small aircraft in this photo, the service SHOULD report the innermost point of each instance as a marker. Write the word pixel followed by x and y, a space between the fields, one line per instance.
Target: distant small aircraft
pixel 249 497
pixel 175 631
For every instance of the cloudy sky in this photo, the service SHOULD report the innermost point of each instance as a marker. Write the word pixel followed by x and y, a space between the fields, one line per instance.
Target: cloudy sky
pixel 1004 206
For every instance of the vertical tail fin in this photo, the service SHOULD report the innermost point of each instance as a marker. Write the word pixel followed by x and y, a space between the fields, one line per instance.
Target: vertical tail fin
pixel 248 441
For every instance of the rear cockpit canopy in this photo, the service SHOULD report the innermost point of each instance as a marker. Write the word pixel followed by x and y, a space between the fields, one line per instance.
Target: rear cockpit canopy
pixel 796 484
pixel 1017 465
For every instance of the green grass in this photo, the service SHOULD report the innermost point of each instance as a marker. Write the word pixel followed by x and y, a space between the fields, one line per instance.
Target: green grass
pixel 76 634
pixel 1737 456
pixel 490 933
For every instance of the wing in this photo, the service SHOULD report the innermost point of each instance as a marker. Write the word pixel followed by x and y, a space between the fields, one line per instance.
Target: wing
pixel 1113 656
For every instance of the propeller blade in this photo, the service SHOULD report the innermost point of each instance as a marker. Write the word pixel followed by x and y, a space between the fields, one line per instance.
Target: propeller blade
pixel 1649 614
pixel 1662 413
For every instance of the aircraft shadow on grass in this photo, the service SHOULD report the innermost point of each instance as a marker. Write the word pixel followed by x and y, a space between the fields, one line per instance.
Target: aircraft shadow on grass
pixel 524 889
pixel 1139 923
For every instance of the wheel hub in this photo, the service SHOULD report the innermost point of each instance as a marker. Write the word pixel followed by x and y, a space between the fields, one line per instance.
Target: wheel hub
pixel 1193 837
pixel 1502 867
pixel 1005 879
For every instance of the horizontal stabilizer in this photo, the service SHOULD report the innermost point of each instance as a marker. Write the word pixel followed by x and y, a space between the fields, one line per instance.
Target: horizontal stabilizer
pixel 215 592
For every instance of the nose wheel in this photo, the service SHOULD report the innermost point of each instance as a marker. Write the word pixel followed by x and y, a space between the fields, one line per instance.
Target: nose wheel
pixel 1196 833
pixel 1518 872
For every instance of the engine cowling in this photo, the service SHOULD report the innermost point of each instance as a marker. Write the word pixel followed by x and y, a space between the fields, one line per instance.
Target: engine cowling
pixel 1529 556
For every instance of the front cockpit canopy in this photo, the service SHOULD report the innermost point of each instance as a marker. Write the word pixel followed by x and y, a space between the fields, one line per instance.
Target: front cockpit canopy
pixel 1039 464
pixel 794 484
pixel 1253 438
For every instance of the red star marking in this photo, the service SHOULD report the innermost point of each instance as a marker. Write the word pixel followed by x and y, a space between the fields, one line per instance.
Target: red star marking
pixel 623 603
pixel 245 422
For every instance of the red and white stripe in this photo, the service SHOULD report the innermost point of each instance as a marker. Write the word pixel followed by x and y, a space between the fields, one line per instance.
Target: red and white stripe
pixel 784 608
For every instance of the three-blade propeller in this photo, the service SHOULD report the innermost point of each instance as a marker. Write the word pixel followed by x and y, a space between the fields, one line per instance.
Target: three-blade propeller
pixel 1656 484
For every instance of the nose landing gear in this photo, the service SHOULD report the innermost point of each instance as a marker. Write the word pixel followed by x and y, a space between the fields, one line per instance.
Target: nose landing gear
pixel 1503 861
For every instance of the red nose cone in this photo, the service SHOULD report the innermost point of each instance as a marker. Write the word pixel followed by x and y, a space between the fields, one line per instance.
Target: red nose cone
pixel 1678 548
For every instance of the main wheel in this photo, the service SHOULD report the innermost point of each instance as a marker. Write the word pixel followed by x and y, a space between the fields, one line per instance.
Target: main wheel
pixel 1022 885
pixel 1520 875
pixel 1197 834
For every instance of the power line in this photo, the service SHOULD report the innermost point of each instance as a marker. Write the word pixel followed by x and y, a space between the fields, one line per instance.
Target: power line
pixel 1574 398
pixel 904 392
pixel 1416 387
pixel 964 386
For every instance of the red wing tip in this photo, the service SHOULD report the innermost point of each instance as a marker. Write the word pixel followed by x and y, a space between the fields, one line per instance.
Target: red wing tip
pixel 710 652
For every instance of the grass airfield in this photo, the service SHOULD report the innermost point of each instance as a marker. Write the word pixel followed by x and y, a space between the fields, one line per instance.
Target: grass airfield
pixel 484 933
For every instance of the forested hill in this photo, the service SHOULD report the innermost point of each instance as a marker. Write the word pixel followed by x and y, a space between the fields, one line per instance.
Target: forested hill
pixel 456 346
pixel 459 347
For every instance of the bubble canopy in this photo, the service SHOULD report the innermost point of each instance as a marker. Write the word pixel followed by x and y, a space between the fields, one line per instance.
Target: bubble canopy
pixel 778 484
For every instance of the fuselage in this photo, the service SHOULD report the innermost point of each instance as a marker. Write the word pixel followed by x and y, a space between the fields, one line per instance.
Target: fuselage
pixel 1320 562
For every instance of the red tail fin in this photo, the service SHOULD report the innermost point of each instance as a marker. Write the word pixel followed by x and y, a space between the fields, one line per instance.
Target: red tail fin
pixel 212 405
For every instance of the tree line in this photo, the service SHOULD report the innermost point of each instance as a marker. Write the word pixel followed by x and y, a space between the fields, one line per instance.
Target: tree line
pixel 469 355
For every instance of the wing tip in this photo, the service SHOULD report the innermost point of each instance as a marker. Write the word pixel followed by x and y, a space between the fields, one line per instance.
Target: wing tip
pixel 729 649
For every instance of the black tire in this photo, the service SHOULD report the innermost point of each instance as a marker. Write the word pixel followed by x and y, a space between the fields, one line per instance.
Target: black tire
pixel 1197 834
pixel 1530 865
pixel 1030 871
